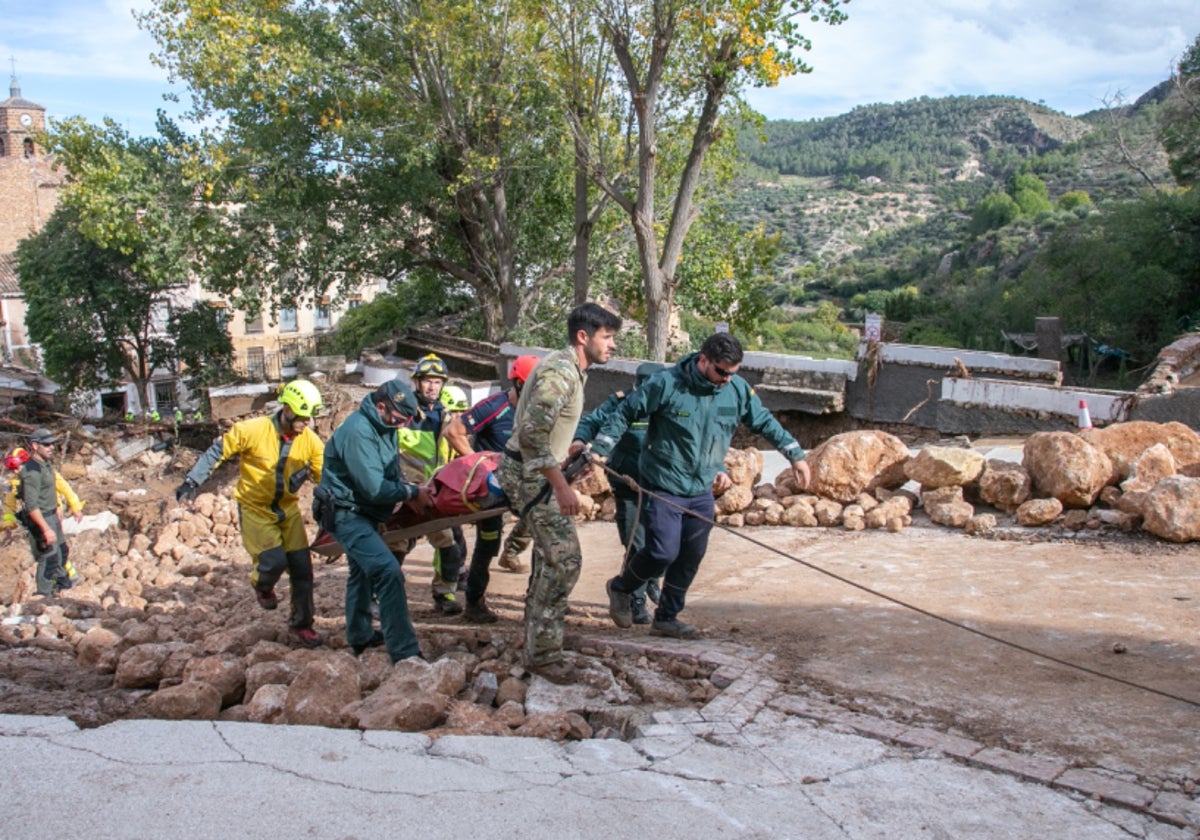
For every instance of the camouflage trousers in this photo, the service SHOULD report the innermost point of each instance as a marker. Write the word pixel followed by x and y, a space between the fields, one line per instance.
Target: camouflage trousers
pixel 557 559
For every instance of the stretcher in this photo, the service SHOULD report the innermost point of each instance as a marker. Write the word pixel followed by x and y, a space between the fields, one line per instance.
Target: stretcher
pixel 397 535
pixel 463 491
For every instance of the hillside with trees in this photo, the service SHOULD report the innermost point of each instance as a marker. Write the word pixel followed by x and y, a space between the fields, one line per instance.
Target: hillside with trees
pixel 963 218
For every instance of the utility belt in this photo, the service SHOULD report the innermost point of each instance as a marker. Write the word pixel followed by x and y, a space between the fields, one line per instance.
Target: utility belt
pixel 22 516
pixel 325 507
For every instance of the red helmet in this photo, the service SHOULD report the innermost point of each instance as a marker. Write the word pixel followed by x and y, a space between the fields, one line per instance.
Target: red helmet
pixel 521 367
pixel 13 460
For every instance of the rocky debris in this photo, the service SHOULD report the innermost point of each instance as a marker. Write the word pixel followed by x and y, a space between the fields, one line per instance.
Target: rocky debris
pixel 855 462
pixel 164 624
pixel 945 506
pixel 1066 467
pixel 1038 512
pixel 1124 443
pixel 1172 509
pixel 1005 485
pixel 944 466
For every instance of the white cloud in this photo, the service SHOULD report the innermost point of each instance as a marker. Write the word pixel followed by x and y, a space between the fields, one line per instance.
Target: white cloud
pixel 78 38
pixel 1069 54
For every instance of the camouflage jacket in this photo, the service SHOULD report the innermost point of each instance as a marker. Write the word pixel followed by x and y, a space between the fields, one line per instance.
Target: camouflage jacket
pixel 549 409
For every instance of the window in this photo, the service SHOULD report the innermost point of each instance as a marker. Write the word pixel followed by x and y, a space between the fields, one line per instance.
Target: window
pixel 287 319
pixel 164 396
pixel 28 145
pixel 254 325
pixel 321 321
pixel 354 302
pixel 256 362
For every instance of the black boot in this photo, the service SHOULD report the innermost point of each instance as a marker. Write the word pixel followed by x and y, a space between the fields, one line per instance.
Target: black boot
pixel 638 605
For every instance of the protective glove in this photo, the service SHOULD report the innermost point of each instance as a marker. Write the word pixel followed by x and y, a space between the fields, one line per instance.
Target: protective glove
pixel 186 491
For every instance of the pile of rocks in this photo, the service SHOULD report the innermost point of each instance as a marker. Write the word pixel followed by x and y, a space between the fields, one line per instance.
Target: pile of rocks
pixel 1124 476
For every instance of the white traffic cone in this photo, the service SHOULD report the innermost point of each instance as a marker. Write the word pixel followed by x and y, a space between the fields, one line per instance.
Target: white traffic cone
pixel 1085 419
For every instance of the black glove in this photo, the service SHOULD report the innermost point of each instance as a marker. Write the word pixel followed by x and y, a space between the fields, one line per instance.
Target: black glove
pixel 187 491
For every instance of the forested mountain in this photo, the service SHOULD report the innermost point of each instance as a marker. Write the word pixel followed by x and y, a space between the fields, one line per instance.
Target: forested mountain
pixel 934 209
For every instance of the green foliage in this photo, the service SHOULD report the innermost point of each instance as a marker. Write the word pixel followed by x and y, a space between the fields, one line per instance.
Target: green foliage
pixel 1030 194
pixel 1074 199
pixel 1179 126
pixel 90 309
pixel 993 212
pixel 201 344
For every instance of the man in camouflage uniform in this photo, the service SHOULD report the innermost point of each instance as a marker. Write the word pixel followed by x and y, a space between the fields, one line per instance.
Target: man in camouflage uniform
pixel 549 409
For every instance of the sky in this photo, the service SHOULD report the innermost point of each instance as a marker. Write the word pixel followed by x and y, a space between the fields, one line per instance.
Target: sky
pixel 88 58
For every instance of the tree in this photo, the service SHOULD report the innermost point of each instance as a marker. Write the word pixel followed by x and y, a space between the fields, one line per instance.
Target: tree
pixel 1030 194
pixel 994 211
pixel 93 313
pixel 376 139
pixel 201 344
pixel 683 64
pixel 1179 123
pixel 103 279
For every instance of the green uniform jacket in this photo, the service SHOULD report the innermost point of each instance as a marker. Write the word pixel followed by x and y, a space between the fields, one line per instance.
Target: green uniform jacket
pixel 624 456
pixel 691 423
pixel 362 465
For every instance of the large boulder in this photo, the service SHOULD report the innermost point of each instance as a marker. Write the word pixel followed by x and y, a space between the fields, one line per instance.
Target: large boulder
pixel 944 466
pixel 1005 485
pixel 403 702
pixel 186 701
pixel 853 462
pixel 144 666
pixel 1124 443
pixel 227 674
pixel 1172 509
pixel 1068 468
pixel 322 690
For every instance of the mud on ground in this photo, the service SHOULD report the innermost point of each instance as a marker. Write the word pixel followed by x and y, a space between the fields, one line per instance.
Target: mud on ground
pixel 1122 605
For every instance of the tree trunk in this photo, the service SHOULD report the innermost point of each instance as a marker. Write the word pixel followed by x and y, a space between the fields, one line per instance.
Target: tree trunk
pixel 583 223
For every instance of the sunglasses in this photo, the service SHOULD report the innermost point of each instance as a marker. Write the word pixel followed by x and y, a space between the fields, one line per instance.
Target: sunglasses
pixel 720 371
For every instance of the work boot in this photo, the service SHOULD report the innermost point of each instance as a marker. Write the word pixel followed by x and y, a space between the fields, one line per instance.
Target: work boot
pixel 638 610
pixel 511 563
pixel 376 640
pixel 620 608
pixel 479 613
pixel 653 592
pixel 674 629
pixel 559 673
pixel 446 603
pixel 307 637
pixel 266 599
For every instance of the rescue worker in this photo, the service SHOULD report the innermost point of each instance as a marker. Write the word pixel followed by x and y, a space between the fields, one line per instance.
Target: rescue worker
pixel 14 512
pixel 277 454
pixel 489 423
pixel 422 451
pixel 39 498
pixel 624 460
pixel 693 409
pixel 547 413
pixel 359 489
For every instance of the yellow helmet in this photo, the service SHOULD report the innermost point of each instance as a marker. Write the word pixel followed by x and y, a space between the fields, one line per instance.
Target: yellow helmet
pixel 430 367
pixel 454 398
pixel 302 397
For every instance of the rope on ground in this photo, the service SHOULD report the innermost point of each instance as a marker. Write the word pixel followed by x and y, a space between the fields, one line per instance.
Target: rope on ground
pixel 898 602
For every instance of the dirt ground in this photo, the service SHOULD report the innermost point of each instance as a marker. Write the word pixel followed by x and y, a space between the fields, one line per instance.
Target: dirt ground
pixel 1076 598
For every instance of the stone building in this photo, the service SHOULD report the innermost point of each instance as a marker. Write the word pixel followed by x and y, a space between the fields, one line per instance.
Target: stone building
pixel 265 348
pixel 29 185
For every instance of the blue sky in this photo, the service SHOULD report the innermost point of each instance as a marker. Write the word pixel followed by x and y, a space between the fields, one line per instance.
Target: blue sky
pixel 88 57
